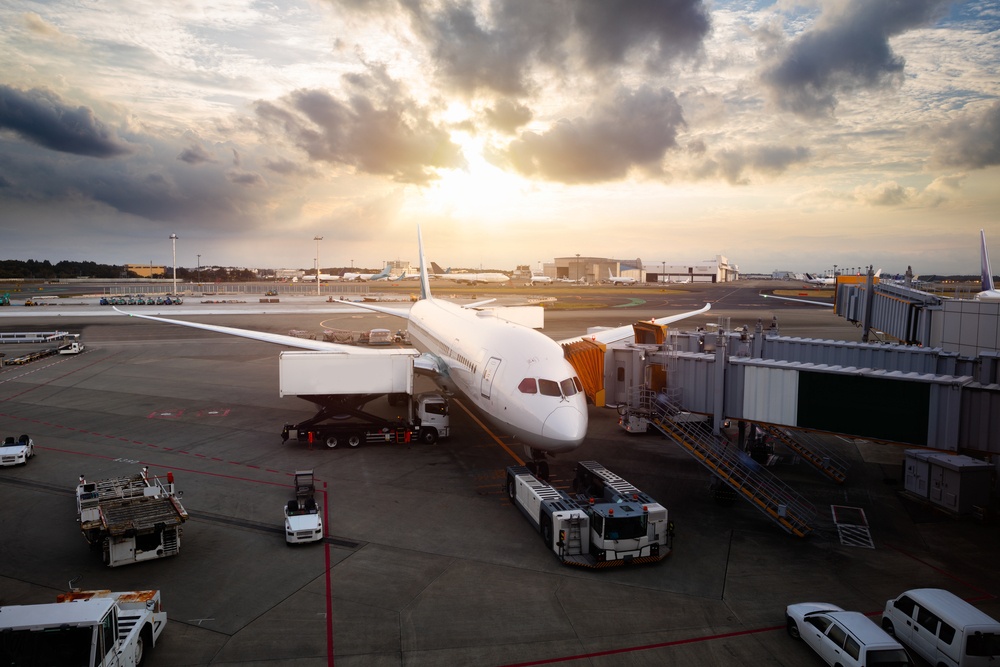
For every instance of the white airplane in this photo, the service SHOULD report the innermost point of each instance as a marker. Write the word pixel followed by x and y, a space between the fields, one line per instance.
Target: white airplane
pixel 815 280
pixel 324 277
pixel 620 280
pixel 990 292
pixel 540 279
pixel 579 281
pixel 381 275
pixel 517 377
pixel 488 277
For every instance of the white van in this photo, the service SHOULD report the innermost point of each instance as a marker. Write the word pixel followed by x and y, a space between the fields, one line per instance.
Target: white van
pixel 943 628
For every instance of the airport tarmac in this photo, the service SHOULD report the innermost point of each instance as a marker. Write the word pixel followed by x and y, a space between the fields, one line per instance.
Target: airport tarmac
pixel 425 561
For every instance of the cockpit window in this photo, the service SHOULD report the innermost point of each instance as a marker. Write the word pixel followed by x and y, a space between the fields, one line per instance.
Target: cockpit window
pixel 568 388
pixel 579 385
pixel 528 386
pixel 549 388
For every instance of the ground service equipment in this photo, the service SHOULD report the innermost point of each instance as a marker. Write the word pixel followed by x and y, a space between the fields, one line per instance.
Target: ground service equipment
pixel 342 384
pixel 131 519
pixel 83 629
pixel 16 452
pixel 303 519
pixel 607 522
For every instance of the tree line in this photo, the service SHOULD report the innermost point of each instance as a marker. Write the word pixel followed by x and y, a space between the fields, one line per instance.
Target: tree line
pixel 15 269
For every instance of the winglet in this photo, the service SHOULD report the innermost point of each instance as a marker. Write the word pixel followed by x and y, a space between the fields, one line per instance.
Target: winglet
pixel 987 274
pixel 425 284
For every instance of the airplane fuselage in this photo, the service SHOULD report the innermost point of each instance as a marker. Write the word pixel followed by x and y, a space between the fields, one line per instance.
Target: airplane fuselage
pixel 517 377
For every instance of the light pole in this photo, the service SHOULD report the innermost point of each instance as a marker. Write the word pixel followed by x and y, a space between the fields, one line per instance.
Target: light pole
pixel 199 268
pixel 173 243
pixel 317 239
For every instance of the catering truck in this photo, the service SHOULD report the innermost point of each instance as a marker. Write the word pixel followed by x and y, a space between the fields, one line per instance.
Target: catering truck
pixel 341 385
pixel 83 629
pixel 606 522
pixel 131 518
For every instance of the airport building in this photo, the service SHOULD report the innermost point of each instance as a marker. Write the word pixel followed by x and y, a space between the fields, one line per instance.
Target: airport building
pixel 595 269
pixel 146 270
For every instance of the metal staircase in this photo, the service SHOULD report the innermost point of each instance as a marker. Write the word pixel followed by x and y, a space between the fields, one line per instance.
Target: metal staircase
pixel 812 451
pixel 768 494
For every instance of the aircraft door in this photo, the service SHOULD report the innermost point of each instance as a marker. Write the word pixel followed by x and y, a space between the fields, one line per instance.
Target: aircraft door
pixel 489 372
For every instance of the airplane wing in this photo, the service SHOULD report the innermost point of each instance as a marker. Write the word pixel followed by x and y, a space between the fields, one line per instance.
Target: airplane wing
pixel 278 339
pixel 806 301
pixel 618 334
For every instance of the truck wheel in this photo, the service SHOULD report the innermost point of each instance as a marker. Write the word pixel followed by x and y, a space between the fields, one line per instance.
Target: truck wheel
pixel 144 642
pixel 511 489
pixel 888 627
pixel 428 436
pixel 353 440
pixel 331 442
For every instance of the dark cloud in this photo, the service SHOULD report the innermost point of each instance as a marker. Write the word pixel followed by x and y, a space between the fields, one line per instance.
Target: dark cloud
pixel 41 117
pixel 288 168
pixel 195 154
pixel 498 49
pixel 633 130
pixel 376 129
pixel 848 48
pixel 732 164
pixel 507 115
pixel 246 178
pixel 972 141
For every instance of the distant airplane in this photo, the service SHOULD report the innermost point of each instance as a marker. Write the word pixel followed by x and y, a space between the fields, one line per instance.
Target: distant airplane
pixel 679 282
pixel 489 277
pixel 990 292
pixel 381 275
pixel 540 279
pixel 620 280
pixel 518 378
pixel 323 276
pixel 816 280
pixel 579 281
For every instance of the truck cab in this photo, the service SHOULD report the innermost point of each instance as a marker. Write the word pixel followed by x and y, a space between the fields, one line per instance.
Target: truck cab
pixel 432 417
pixel 83 628
pixel 16 451
pixel 303 519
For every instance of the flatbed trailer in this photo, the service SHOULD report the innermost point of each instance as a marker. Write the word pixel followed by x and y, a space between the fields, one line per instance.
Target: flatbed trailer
pixel 132 518
pixel 606 523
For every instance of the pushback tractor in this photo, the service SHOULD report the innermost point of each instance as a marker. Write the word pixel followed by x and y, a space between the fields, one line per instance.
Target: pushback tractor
pixel 605 523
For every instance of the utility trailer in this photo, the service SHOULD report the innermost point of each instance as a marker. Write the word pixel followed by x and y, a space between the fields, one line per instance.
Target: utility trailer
pixel 83 629
pixel 341 385
pixel 132 518
pixel 606 523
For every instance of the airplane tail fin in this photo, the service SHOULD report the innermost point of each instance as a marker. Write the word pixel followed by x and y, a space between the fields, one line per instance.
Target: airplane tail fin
pixel 425 283
pixel 878 273
pixel 435 268
pixel 987 274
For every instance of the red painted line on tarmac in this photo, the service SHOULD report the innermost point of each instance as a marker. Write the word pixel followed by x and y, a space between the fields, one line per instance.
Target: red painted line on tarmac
pixel 648 647
pixel 984 594
pixel 329 584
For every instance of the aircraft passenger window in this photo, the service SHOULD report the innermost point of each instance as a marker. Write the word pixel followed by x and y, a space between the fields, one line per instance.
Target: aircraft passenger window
pixel 528 386
pixel 568 388
pixel 549 388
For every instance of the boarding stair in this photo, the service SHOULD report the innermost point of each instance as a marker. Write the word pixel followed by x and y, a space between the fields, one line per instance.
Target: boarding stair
pixel 747 478
pixel 812 450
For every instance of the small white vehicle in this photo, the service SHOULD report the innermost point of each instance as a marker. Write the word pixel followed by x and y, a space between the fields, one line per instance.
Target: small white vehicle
pixel 303 520
pixel 844 638
pixel 16 452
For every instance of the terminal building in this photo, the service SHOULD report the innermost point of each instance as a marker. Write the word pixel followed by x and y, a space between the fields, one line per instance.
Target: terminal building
pixel 596 269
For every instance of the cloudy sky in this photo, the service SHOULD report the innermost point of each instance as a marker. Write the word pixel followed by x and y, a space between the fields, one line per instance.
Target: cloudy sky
pixel 784 135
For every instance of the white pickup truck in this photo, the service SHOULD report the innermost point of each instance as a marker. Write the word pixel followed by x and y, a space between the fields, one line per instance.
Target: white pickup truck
pixel 16 452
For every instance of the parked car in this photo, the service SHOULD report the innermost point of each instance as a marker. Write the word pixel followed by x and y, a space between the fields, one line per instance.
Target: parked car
pixel 844 638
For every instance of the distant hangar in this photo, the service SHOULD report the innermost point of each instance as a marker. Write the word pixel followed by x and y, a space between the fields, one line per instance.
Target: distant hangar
pixel 595 269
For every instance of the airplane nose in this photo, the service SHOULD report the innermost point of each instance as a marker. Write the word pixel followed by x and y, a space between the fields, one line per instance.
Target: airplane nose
pixel 565 427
